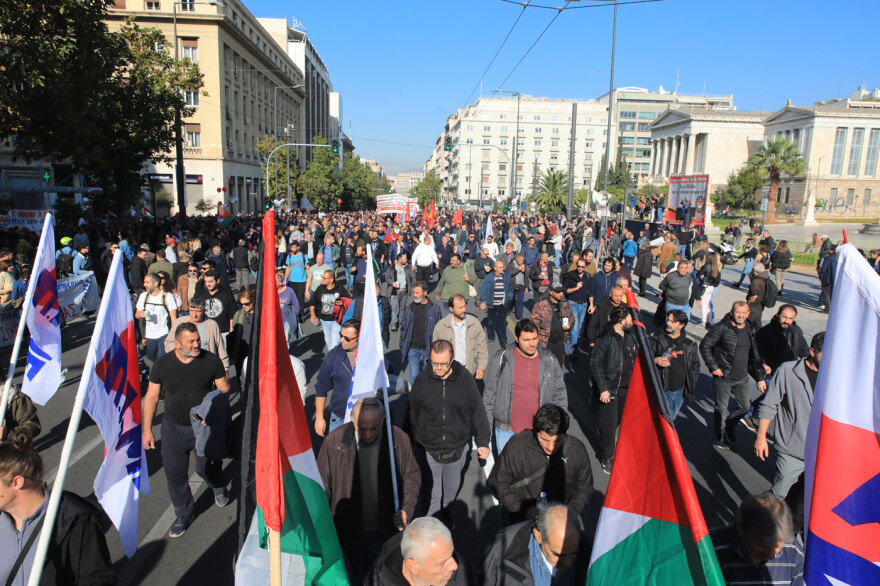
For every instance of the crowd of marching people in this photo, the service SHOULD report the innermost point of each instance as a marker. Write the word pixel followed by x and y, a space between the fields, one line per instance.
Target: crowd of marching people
pixel 554 295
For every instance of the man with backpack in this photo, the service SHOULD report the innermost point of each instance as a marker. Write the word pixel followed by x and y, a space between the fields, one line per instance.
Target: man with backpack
pixel 64 258
pixel 158 309
pixel 762 293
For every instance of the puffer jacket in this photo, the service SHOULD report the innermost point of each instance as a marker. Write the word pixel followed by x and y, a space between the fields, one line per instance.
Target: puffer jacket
pixel 607 360
pixel 498 393
pixel 718 348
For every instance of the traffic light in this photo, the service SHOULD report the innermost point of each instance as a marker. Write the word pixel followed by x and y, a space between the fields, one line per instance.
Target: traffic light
pixel 267 203
pixel 334 146
pixel 509 204
pixel 448 143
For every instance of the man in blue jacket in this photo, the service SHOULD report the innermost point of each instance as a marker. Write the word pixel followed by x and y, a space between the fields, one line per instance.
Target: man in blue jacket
pixel 495 297
pixel 335 375
pixel 826 277
pixel 416 328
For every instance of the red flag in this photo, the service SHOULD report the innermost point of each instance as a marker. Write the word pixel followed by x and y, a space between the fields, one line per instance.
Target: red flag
pixel 456 219
pixel 432 216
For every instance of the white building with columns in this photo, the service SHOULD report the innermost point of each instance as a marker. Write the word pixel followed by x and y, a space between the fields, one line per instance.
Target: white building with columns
pixel 698 141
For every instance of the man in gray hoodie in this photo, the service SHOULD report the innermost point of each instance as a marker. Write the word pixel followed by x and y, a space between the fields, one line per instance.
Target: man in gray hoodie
pixel 788 401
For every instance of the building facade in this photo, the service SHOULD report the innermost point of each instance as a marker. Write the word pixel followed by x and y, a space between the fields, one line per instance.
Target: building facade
pixel 403 183
pixel 698 140
pixel 840 140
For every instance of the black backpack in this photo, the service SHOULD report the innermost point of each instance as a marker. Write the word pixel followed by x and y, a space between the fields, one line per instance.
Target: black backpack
pixel 771 293
pixel 64 265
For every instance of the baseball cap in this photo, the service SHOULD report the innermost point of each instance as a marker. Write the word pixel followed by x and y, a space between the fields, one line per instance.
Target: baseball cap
pixel 824 236
pixel 66 240
pixel 170 240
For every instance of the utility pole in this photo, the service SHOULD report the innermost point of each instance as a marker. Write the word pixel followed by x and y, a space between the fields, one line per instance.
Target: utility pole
pixel 569 195
pixel 513 161
pixel 610 112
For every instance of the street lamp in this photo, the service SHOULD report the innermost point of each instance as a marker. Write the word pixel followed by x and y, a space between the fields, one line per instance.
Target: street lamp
pixel 179 174
pixel 515 141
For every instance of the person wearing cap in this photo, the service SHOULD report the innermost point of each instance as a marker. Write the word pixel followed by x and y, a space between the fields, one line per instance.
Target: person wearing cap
pixel 170 253
pixel 554 318
pixel 66 247
pixel 161 264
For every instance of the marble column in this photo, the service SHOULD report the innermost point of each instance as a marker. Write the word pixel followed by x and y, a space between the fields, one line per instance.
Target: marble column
pixel 691 155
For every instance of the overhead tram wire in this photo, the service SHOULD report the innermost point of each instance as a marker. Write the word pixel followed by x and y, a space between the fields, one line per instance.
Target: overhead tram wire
pixel 570 7
pixel 501 46
pixel 532 46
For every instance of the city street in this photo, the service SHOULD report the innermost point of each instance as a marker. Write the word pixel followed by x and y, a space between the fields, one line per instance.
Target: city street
pixel 205 554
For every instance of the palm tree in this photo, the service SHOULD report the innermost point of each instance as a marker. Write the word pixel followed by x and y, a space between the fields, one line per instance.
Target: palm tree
pixel 552 187
pixel 778 156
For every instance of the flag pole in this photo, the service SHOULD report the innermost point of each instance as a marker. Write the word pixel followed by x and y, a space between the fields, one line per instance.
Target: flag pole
pixel 22 322
pixel 648 359
pixel 67 450
pixel 274 558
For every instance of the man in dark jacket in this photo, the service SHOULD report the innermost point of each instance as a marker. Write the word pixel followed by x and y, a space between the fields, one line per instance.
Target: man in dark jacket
pixel 416 328
pixel 601 283
pixel 355 468
pixel 138 270
pixel 77 551
pixel 335 375
pixel 614 355
pixel 782 340
pixel 827 274
pixel 423 553
pixel 756 292
pixel 444 405
pixel 554 541
pixel 541 275
pixel 599 319
pixel 731 354
pixel 496 294
pixel 678 360
pixel 397 286
pixel 241 264
pixel 518 272
pixel 644 268
pixel 543 459
pixel 577 291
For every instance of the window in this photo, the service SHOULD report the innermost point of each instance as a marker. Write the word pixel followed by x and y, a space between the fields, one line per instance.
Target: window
pixel 502 167
pixel 151 6
pixel 501 192
pixel 553 118
pixel 538 143
pixel 555 131
pixel 808 140
pixel 553 156
pixel 787 193
pixel 469 127
pixel 521 130
pixel 191 98
pixel 554 143
pixel 832 197
pixel 873 145
pixel 837 153
pixel 647 115
pixel 537 130
pixel 643 127
pixel 502 117
pixel 487 128
pixel 536 117
pixel 520 142
pixel 190 50
pixel 796 137
pixel 469 141
pixel 589 132
pixel 627 127
pixel 855 151
pixel 850 196
pixel 485 141
pixel 643 140
pixel 866 200
pixel 519 168
pixel 589 144
pixel 643 152
pixel 194 135
pixel 187 6
pixel 627 140
pixel 627 115
pixel 503 129
pixel 503 141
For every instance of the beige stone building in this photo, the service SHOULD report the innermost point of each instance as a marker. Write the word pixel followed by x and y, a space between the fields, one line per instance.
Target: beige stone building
pixel 699 140
pixel 840 140
pixel 403 183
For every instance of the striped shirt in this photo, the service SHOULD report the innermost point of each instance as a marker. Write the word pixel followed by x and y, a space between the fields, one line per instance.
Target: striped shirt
pixel 786 568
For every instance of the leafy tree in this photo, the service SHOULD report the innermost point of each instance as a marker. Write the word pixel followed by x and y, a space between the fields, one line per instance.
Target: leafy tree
pixel 321 182
pixel 742 188
pixel 204 206
pixel 103 101
pixel 618 175
pixel 550 195
pixel 776 157
pixel 359 183
pixel 581 198
pixel 428 188
pixel 283 159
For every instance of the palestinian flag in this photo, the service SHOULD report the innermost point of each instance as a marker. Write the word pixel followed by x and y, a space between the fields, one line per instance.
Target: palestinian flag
pixel 146 213
pixel 651 529
pixel 290 494
pixel 224 218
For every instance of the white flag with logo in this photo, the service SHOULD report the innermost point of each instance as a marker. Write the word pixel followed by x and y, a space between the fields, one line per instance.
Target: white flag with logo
pixel 42 374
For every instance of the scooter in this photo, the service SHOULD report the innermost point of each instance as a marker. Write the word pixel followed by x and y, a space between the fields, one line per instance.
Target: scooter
pixel 726 252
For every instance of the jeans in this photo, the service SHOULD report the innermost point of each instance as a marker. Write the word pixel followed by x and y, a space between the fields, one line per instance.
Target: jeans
pixel 416 359
pixel 609 421
pixel 335 421
pixel 177 442
pixel 674 401
pixel 580 311
pixel 726 422
pixel 349 281
pixel 501 439
pixel 707 306
pixel 498 324
pixel 155 348
pixel 331 333
pixel 747 270
pixel 629 261
pixel 519 297
pixel 398 303
pixel 442 480
pixel 685 308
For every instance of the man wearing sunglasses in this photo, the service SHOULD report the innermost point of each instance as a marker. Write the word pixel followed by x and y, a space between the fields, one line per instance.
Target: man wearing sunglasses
pixel 335 378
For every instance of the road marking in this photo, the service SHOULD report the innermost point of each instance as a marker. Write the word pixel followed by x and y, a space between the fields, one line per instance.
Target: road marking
pixel 78 455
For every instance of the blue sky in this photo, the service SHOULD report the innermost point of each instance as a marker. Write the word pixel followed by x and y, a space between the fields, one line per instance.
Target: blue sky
pixel 402 67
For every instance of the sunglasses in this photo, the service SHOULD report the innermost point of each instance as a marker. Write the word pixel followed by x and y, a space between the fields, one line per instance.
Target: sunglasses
pixel 196 272
pixel 347 339
pixel 246 304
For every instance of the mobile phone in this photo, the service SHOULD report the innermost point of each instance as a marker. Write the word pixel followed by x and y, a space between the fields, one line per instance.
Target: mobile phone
pixel 197 417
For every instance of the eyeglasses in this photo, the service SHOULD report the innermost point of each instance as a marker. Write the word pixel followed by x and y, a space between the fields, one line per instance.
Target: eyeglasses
pixel 347 339
pixel 440 364
pixel 246 304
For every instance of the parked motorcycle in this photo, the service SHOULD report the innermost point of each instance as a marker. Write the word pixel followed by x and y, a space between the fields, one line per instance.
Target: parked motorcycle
pixel 726 252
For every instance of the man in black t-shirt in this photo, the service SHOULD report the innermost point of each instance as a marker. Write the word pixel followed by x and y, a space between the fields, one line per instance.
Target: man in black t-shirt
pixel 326 297
pixel 186 375
pixel 220 303
pixel 678 360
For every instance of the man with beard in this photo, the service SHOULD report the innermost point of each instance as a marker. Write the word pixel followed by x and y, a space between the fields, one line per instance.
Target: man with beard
pixel 186 376
pixel 220 303
pixel 678 360
pixel 788 401
pixel 782 340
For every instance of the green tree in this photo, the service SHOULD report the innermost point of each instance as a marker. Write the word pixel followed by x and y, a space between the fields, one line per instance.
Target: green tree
pixel 359 184
pixel 204 206
pixel 321 182
pixel 74 91
pixel 742 188
pixel 776 157
pixel 581 198
pixel 283 160
pixel 428 188
pixel 550 195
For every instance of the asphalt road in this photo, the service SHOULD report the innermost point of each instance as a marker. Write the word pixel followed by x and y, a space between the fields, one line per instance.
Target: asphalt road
pixel 204 555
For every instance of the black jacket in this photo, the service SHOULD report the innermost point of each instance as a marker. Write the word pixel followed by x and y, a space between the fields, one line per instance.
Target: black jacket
pixel 77 551
pixel 523 456
pixel 534 274
pixel 138 271
pixel 385 314
pixel 240 257
pixel 508 561
pixel 433 314
pixel 483 266
pixel 644 264
pixel 776 345
pixel 441 412
pixel 781 260
pixel 718 348
pixel 607 360
pixel 660 342
pixel 597 322
pixel 388 570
